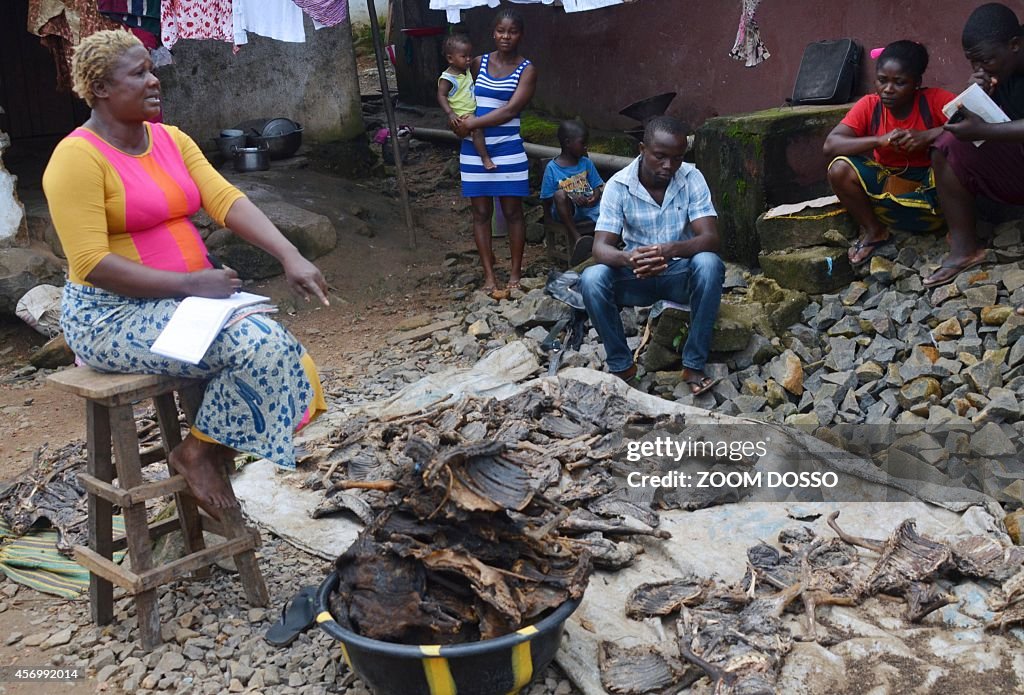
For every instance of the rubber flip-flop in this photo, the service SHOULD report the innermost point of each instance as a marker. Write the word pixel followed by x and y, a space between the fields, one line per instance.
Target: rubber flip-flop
pixel 870 245
pixel 954 275
pixel 703 382
pixel 297 616
pixel 582 251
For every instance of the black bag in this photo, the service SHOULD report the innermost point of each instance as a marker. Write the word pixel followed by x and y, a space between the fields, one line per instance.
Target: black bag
pixel 828 72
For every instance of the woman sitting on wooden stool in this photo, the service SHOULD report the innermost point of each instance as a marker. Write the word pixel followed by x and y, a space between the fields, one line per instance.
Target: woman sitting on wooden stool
pixel 121 190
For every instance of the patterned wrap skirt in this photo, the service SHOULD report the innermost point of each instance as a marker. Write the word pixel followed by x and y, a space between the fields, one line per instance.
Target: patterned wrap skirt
pixel 262 384
pixel 914 210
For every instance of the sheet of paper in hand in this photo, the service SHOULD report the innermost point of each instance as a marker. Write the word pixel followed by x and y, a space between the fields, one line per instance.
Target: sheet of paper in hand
pixel 196 323
pixel 975 100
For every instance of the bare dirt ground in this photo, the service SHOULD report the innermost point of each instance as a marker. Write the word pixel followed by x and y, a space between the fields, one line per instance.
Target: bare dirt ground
pixel 375 282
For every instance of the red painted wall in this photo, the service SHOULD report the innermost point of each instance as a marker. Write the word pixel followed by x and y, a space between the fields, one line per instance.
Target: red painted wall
pixel 593 63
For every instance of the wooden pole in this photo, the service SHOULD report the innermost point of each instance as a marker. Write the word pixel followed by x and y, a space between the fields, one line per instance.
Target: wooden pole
pixel 389 110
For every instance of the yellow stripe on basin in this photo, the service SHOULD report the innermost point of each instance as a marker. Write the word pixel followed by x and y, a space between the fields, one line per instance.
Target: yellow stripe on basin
pixel 522 665
pixel 324 616
pixel 436 670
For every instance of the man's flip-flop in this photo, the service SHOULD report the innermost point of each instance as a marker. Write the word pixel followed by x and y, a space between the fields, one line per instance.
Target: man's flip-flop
pixel 956 269
pixel 703 382
pixel 297 616
pixel 870 245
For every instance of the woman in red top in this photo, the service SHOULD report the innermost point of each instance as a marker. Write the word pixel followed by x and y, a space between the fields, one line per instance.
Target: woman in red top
pixel 881 167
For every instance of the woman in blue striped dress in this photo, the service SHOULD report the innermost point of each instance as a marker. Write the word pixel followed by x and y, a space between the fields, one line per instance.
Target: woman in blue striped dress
pixel 505 82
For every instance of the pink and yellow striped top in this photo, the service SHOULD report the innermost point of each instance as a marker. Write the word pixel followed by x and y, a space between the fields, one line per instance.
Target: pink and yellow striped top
pixel 103 200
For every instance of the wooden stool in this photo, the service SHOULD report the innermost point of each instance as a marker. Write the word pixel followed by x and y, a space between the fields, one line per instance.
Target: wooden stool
pixel 110 418
pixel 555 241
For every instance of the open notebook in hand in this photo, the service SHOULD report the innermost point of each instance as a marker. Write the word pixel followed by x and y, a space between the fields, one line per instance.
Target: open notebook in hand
pixel 975 100
pixel 196 323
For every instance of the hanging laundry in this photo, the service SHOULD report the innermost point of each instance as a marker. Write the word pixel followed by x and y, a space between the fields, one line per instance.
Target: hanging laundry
pixel 138 14
pixel 749 47
pixel 454 8
pixel 275 19
pixel 325 13
pixel 584 5
pixel 61 25
pixel 195 19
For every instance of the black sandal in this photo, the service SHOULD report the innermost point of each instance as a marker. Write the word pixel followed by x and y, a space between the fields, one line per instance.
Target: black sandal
pixel 297 616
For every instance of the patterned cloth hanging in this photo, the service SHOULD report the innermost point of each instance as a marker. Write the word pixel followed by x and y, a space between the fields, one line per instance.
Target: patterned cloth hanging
pixel 61 25
pixel 749 47
pixel 326 13
pixel 195 19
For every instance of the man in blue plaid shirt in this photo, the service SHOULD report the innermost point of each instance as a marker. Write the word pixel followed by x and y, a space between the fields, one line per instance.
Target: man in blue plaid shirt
pixel 660 209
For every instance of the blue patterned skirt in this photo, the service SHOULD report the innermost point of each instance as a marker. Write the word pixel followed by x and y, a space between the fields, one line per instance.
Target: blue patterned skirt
pixel 262 384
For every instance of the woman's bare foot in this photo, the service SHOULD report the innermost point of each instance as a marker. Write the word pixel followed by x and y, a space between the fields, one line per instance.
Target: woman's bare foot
pixel 201 464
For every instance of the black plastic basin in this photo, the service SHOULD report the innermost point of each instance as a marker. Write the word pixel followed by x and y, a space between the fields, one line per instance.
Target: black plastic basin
pixel 500 666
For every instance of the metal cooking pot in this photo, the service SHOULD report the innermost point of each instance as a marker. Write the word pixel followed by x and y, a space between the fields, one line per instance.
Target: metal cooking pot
pixel 251 159
pixel 229 140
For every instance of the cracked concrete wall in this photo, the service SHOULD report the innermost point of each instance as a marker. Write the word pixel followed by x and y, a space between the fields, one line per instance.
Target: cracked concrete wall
pixel 315 83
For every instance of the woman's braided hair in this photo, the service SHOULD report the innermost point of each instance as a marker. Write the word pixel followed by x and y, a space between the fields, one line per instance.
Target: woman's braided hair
pixel 95 58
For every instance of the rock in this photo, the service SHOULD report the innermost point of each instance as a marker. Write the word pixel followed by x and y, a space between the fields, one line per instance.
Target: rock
pixel 991 442
pixel 775 395
pixel 658 358
pixel 948 330
pixel 171 661
pixel 1011 331
pixel 53 354
pixel 104 657
pixel 1013 279
pixel 1014 521
pixel 104 674
pixel 807 227
pixel 945 292
pixel 1002 407
pixel 414 322
pixel 787 370
pixel 995 315
pixel 869 371
pixel 538 309
pixel 749 404
pixel 882 270
pixel 479 329
pixel 57 639
pixel 21 270
pixel 854 292
pixel 921 390
pixel 984 375
pixel 815 270
pixel 841 354
pixel 803 420
pixel 313 234
pixel 534 233
pixel 980 297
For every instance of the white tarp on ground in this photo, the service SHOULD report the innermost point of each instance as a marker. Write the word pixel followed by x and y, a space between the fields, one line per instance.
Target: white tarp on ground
pixel 947 653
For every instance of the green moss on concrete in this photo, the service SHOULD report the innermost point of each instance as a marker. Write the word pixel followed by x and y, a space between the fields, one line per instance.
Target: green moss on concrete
pixel 538 129
pixel 542 129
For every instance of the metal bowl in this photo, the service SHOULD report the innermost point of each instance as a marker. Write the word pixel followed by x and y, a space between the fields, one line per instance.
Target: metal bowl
pixel 278 146
pixel 651 106
pixel 489 667
pixel 279 126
